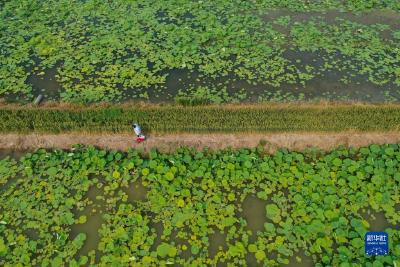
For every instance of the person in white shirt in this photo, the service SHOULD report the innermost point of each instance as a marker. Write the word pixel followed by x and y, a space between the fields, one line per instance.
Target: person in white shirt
pixel 137 129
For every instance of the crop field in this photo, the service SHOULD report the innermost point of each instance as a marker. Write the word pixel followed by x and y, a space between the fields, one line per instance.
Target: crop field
pixel 199 208
pixel 265 118
pixel 200 51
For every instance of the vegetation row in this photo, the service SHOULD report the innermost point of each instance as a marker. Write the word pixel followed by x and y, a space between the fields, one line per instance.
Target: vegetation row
pixel 199 119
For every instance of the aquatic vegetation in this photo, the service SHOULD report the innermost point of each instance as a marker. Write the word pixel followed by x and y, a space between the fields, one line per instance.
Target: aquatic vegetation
pixel 279 96
pixel 353 5
pixel 363 48
pixel 111 51
pixel 315 202
pixel 204 95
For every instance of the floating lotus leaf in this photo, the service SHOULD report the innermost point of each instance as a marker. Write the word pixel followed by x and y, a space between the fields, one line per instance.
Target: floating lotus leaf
pixel 273 212
pixel 164 250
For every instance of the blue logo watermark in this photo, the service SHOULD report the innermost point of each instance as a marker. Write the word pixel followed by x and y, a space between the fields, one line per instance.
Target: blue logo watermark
pixel 376 243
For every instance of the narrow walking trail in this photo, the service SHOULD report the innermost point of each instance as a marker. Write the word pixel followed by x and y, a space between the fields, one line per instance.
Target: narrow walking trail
pixel 169 142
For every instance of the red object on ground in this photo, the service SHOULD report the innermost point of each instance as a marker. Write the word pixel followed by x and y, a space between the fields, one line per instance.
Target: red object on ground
pixel 140 139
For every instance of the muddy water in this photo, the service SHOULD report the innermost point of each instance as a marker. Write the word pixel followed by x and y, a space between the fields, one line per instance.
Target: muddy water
pixel 301 259
pixel 377 221
pixel 327 86
pixel 327 83
pixel 93 212
pixel 156 227
pixel 181 241
pixel 254 213
pixel 16 154
pixel 45 84
pixel 386 17
pixel 136 191
pixel 217 243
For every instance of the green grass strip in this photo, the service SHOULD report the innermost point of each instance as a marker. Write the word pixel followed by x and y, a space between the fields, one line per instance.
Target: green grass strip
pixel 174 119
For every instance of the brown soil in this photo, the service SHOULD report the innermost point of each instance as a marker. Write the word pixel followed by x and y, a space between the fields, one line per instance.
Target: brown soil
pixel 169 142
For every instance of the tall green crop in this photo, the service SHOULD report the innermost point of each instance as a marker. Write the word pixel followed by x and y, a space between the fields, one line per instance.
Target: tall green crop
pixel 175 119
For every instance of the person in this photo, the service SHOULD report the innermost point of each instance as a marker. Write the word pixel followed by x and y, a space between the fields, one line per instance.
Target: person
pixel 137 129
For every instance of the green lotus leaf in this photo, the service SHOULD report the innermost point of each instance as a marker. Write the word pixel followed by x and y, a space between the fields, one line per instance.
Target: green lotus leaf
pixel 389 151
pixel 357 242
pixel 252 248
pixel 57 261
pixel 375 148
pixel 273 212
pixel 116 174
pixel 260 255
pixel 169 176
pixel 3 247
pixel 82 219
pixel 52 171
pixel 337 162
pixel 269 228
pixel 145 171
pixel 236 250
pixel 79 240
pixel 195 250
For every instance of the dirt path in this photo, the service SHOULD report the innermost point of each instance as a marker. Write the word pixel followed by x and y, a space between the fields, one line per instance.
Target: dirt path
pixel 168 142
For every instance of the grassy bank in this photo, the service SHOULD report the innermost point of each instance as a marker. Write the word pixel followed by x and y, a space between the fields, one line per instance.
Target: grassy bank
pixel 171 119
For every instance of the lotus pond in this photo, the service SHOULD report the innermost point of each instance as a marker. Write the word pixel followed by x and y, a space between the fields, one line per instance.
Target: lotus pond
pixel 242 207
pixel 212 51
